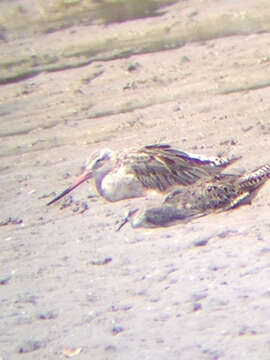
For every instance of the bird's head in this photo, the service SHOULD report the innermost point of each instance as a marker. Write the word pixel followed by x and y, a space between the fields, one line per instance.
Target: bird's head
pixel 97 161
pixel 94 166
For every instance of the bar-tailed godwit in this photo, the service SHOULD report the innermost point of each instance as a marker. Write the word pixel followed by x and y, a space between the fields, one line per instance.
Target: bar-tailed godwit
pixel 128 174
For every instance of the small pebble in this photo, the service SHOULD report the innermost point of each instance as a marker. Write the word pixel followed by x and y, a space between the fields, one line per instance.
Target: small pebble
pixel 110 348
pixel 27 299
pixel 134 66
pixel 101 261
pixel 30 345
pixel 5 280
pixel 12 221
pixel 199 296
pixel 49 315
pixel 197 306
pixel 201 242
pixel 117 329
pixel 121 307
pixel 184 59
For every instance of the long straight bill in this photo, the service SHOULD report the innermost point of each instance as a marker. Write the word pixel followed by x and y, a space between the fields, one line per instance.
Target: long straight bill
pixel 123 223
pixel 82 178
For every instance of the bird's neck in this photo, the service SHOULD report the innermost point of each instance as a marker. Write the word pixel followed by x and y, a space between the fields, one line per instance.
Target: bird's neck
pixel 99 177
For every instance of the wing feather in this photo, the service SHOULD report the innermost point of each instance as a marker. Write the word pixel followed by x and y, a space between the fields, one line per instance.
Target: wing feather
pixel 161 166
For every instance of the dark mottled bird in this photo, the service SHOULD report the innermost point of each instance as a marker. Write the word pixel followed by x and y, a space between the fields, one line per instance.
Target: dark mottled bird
pixel 220 193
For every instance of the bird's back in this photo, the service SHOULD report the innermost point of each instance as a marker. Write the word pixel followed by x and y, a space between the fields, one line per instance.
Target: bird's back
pixel 161 166
pixel 222 192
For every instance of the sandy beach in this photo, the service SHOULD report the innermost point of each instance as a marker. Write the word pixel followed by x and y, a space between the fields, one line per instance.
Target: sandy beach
pixel 193 74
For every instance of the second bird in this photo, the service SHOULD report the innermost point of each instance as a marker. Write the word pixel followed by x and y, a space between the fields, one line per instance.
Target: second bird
pixel 220 193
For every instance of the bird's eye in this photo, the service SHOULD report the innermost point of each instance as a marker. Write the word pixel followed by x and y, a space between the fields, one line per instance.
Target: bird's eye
pixel 98 162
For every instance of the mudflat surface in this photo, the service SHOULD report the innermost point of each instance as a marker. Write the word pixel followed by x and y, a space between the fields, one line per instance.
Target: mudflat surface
pixel 70 285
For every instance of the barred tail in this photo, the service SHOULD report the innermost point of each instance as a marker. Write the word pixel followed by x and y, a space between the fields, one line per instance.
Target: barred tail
pixel 256 178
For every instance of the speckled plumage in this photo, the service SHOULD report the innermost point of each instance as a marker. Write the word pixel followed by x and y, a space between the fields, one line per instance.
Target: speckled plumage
pixel 220 193
pixel 130 173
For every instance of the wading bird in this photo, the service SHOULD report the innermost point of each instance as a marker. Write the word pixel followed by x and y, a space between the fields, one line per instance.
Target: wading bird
pixel 222 192
pixel 131 173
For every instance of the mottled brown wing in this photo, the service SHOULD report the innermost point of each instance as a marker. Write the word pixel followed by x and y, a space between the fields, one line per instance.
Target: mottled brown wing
pixel 193 159
pixel 205 197
pixel 161 166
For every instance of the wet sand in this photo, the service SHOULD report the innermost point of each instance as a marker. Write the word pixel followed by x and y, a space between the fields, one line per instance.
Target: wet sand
pixel 71 286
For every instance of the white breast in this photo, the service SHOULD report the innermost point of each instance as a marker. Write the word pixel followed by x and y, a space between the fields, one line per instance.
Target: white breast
pixel 119 185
